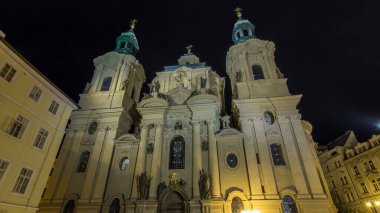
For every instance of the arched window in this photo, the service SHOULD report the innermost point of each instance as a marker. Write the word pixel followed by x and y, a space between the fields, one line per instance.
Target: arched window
pixel 83 161
pixel 237 205
pixel 106 84
pixel 277 154
pixel 288 205
pixel 257 72
pixel 177 153
pixel 115 206
pixel 70 207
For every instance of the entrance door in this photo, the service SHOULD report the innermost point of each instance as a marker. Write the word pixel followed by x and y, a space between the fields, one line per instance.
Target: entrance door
pixel 174 203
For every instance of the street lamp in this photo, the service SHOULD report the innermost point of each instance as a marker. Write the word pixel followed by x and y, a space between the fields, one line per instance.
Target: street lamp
pixel 372 205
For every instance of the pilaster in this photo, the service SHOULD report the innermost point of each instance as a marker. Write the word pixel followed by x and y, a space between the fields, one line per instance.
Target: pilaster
pixel 213 160
pixel 141 158
pixel 307 157
pixel 252 164
pixel 197 157
pixel 293 158
pixel 156 162
pixel 265 159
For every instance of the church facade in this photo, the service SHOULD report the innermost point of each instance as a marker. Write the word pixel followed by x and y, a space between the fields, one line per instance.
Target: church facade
pixel 174 151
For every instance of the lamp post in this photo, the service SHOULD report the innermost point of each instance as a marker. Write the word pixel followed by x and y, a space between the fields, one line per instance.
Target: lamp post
pixel 373 205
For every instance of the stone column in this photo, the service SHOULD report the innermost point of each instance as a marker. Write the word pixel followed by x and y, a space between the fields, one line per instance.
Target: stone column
pixel 213 160
pixel 197 157
pixel 155 172
pixel 252 164
pixel 307 157
pixel 141 158
pixel 266 163
pixel 293 158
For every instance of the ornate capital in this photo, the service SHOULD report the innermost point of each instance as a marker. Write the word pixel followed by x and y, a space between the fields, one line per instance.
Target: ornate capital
pixel 246 121
pixel 210 122
pixel 295 117
pixel 158 125
pixel 257 119
pixel 196 123
pixel 282 118
pixel 144 126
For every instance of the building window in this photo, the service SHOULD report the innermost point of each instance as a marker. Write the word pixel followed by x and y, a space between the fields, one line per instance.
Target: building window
pixel 356 169
pixel 366 167
pixel 339 164
pixel 3 167
pixel 276 154
pixel 375 184
pixel 115 206
pixel 53 108
pixel 288 205
pixel 84 157
pixel 257 72
pixel 336 165
pixel 18 126
pixel 106 84
pixel 35 93
pixel 23 181
pixel 343 180
pixel 237 205
pixel 328 169
pixel 333 184
pixel 232 160
pixel 177 153
pixel 350 197
pixel 41 138
pixel 364 188
pixel 7 72
pixel 371 165
pixel 69 207
pixel 268 117
pixel 123 163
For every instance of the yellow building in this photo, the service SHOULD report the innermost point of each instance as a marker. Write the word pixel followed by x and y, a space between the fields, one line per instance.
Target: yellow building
pixel 352 172
pixel 34 114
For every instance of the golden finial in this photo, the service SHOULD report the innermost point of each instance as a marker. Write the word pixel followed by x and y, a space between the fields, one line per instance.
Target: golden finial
pixel 238 12
pixel 189 48
pixel 132 23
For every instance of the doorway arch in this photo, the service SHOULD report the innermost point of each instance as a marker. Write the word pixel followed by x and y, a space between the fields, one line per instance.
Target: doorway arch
pixel 173 199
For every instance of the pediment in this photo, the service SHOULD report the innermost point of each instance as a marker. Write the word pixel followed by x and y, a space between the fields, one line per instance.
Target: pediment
pixel 127 137
pixel 179 95
pixel 152 103
pixel 229 132
pixel 272 133
pixel 203 99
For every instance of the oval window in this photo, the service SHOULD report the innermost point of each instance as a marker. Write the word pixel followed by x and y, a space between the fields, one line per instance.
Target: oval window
pixel 232 160
pixel 124 163
pixel 268 117
pixel 92 127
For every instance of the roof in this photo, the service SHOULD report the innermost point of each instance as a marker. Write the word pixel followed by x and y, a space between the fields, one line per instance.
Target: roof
pixel 65 96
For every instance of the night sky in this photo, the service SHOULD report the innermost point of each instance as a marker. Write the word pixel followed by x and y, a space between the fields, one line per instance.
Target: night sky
pixel 328 51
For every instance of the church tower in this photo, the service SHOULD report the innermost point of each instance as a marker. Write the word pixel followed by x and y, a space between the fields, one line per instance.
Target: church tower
pixel 280 154
pixel 107 110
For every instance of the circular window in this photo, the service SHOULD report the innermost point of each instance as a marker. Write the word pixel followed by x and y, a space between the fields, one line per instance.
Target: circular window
pixel 124 163
pixel 232 160
pixel 268 117
pixel 92 127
